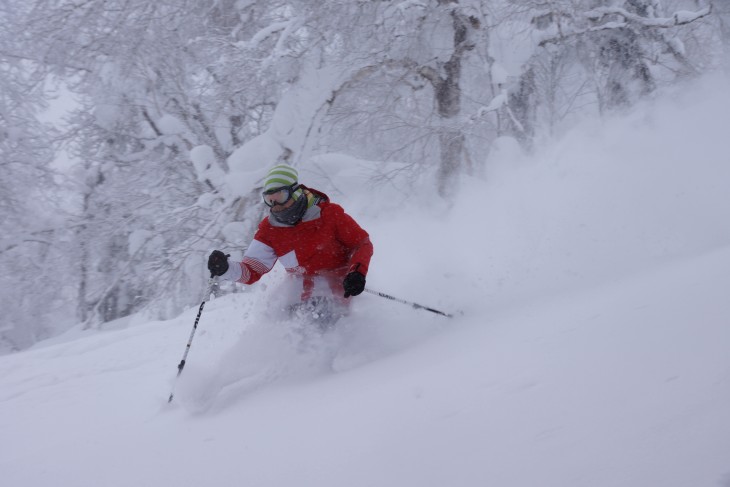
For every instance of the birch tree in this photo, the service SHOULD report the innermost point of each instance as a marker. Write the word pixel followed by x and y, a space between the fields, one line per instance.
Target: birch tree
pixel 604 54
pixel 408 64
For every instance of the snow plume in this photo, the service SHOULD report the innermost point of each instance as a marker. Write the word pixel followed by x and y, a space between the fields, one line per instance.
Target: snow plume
pixel 270 349
pixel 258 344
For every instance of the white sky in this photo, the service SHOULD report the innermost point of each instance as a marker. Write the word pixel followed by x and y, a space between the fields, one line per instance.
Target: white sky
pixel 592 349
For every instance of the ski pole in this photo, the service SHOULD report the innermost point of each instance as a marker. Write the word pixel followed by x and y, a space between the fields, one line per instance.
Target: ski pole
pixel 403 301
pixel 181 365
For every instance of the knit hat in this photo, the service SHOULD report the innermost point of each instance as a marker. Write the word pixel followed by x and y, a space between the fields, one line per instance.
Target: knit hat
pixel 279 176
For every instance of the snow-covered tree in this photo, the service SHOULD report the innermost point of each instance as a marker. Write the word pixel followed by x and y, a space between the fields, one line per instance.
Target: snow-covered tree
pixel 602 54
pixel 30 224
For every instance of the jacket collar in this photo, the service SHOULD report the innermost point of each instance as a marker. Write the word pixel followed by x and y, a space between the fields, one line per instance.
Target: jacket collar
pixel 312 213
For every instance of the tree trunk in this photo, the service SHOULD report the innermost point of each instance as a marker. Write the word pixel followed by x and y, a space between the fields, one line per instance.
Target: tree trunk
pixel 452 150
pixel 447 91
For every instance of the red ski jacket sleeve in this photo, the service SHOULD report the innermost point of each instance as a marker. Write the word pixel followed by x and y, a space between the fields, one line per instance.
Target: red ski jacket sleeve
pixel 355 239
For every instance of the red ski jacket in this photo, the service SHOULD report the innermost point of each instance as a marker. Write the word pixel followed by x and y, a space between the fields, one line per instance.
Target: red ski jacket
pixel 327 243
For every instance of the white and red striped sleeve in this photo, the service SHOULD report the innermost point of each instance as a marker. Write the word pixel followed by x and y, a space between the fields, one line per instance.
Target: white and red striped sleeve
pixel 258 259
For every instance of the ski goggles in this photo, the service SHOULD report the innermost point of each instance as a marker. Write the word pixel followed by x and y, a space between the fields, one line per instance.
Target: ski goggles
pixel 278 196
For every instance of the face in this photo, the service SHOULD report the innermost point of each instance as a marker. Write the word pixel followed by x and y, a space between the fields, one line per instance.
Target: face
pixel 280 207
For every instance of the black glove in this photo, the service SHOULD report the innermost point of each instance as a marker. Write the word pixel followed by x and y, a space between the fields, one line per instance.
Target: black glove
pixel 354 284
pixel 218 263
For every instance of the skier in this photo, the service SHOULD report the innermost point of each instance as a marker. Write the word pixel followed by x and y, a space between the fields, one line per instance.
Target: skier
pixel 322 248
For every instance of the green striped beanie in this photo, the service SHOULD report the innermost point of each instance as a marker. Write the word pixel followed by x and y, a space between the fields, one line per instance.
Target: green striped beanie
pixel 279 176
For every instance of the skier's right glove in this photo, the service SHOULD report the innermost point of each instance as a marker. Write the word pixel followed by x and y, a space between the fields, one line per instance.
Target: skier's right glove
pixel 218 263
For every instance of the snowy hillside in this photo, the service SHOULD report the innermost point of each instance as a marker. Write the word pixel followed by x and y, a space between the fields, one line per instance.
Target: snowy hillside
pixel 589 345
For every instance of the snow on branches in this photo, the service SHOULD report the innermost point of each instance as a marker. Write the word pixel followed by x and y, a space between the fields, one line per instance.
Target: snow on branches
pixel 678 18
pixel 607 18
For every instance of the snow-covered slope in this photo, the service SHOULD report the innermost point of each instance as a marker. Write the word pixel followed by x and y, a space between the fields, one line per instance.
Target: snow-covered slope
pixel 589 348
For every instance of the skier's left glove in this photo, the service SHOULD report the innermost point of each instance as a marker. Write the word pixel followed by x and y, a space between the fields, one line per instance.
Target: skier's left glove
pixel 354 284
